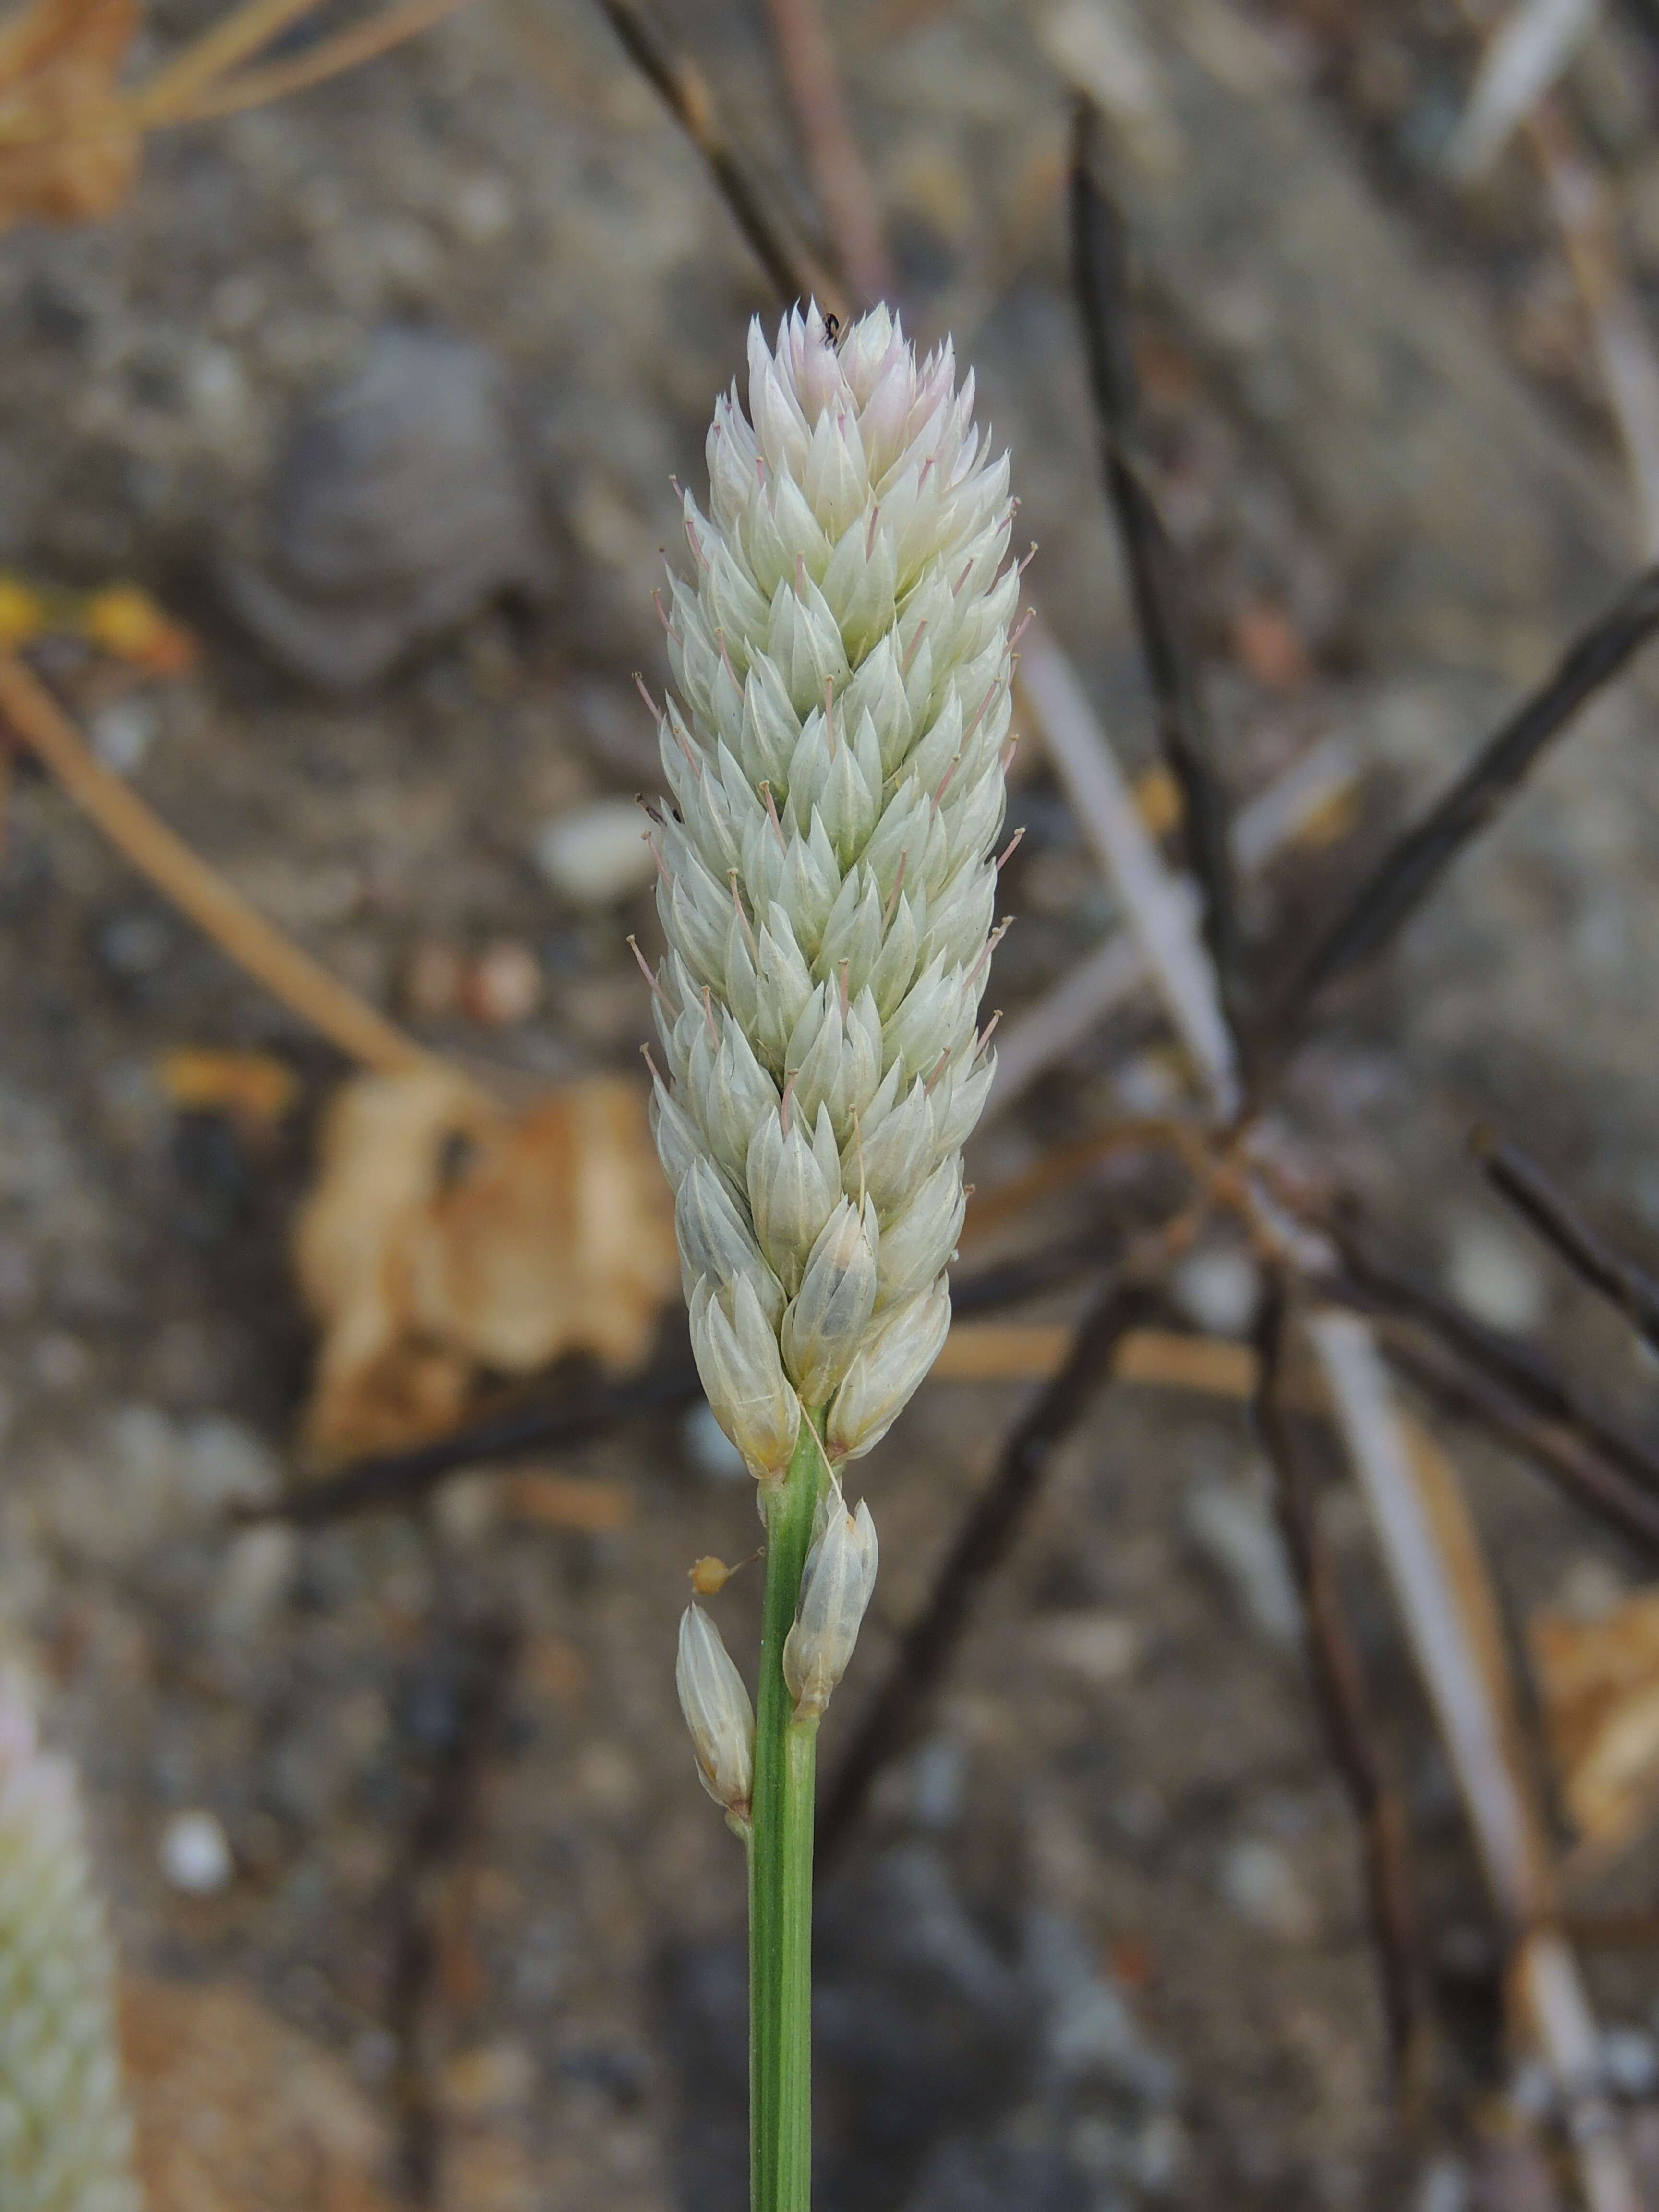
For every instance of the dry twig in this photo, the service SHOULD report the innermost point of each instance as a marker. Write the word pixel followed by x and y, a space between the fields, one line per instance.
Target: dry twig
pixel 1157 904
pixel 684 91
pixel 1414 864
pixel 981 1546
pixel 1339 1692
pixel 1554 1447
pixel 1433 1560
pixel 1515 1367
pixel 1559 1222
pixel 241 933
pixel 1100 280
pixel 840 180
pixel 477 1665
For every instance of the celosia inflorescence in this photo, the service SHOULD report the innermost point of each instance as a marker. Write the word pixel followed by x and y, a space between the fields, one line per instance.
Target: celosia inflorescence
pixel 65 2140
pixel 835 760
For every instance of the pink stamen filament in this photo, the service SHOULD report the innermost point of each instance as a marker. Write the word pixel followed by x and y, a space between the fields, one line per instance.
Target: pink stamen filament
pixel 898 885
pixel 656 989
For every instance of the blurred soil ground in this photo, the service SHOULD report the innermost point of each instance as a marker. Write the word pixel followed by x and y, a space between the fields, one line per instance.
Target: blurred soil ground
pixel 1101 1944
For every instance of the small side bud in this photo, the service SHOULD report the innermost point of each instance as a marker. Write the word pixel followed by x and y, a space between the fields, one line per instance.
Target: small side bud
pixel 834 1589
pixel 717 1713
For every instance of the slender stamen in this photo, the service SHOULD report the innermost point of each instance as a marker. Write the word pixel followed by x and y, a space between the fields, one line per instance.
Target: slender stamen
pixel 898 885
pixel 1008 850
pixel 651 706
pixel 656 989
pixel 979 711
pixel 911 649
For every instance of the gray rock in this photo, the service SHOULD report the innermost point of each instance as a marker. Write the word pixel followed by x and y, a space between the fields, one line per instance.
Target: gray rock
pixel 400 506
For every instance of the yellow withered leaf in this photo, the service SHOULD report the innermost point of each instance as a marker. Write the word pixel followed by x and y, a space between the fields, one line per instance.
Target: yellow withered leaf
pixel 236 2111
pixel 448 1238
pixel 68 152
pixel 1599 1682
pixel 254 1087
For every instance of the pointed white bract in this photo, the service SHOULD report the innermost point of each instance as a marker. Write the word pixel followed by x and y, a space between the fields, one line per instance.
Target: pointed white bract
pixel 835 764
pixel 717 1712
pixel 65 2138
pixel 834 1590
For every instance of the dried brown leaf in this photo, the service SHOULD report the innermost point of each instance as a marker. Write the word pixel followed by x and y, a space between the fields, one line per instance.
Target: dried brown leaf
pixel 1599 1681
pixel 448 1238
pixel 235 2112
pixel 68 154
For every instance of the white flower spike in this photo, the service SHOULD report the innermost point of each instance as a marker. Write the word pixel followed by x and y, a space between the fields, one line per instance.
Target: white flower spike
pixel 65 2138
pixel 826 889
pixel 834 1590
pixel 717 1713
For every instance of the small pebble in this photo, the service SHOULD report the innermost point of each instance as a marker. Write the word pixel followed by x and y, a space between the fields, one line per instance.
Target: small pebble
pixel 258 1569
pixel 1263 1887
pixel 1218 1289
pixel 1234 1529
pixel 1631 2059
pixel 503 985
pixel 195 1853
pixel 123 732
pixel 480 211
pixel 1496 1277
pixel 596 854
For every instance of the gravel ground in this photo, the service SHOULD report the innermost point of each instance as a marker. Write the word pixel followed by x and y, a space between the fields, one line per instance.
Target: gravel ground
pixel 1100 1943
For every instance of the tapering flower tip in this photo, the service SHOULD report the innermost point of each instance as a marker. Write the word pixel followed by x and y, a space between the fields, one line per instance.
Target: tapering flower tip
pixel 827 884
pixel 737 1356
pixel 717 1712
pixel 834 1590
pixel 65 2138
pixel 884 1373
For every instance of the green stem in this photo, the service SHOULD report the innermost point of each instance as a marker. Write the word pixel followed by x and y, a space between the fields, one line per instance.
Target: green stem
pixel 780 1865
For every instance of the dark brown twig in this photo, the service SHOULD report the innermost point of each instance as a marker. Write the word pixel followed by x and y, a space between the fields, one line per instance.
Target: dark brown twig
pixel 982 1545
pixel 793 269
pixel 396 1481
pixel 467 1699
pixel 1339 1692
pixel 840 180
pixel 1412 866
pixel 1100 279
pixel 1519 1369
pixel 400 1478
pixel 1555 1449
pixel 1558 1222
